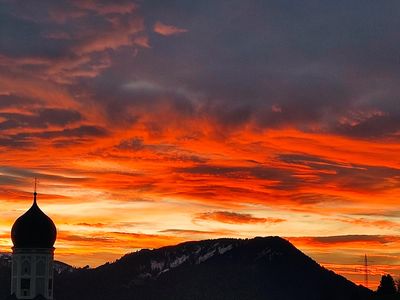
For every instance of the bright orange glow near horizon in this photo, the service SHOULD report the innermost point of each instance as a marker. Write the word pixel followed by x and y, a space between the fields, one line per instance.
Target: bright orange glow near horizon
pixel 149 125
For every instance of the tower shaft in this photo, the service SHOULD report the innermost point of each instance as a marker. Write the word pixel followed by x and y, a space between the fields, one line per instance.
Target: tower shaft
pixel 366 270
pixel 32 273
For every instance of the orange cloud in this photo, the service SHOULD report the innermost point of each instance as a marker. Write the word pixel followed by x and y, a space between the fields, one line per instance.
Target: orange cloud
pixel 370 222
pixel 345 240
pixel 167 30
pixel 235 218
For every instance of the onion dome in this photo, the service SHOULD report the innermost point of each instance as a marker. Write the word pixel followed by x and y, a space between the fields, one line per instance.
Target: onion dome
pixel 34 229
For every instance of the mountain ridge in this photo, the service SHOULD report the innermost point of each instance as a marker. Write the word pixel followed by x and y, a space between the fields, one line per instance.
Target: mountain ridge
pixel 259 268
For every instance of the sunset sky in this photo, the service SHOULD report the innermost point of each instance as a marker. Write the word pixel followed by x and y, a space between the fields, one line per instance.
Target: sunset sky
pixel 150 123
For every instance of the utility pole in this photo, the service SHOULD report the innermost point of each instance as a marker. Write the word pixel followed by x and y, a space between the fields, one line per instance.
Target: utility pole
pixel 366 270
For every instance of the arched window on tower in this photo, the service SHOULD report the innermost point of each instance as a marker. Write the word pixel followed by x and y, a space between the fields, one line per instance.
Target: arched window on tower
pixel 26 268
pixel 25 286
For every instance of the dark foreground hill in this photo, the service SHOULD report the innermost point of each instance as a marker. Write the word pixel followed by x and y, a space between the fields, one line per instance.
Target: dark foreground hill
pixel 260 268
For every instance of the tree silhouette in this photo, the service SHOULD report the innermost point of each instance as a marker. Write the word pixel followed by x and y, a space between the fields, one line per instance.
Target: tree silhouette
pixel 387 287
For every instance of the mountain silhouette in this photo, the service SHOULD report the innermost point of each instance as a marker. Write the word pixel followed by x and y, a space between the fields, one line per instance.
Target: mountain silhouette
pixel 236 269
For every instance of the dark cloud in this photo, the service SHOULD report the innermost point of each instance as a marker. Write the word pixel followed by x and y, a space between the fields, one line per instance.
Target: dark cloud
pixel 84 131
pixel 259 172
pixel 42 118
pixel 10 142
pixel 283 178
pixel 134 144
pixel 59 117
pixel 14 101
pixel 6 180
pixel 310 160
pixel 307 59
pixel 67 40
pixel 59 138
pixel 168 151
pixel 127 102
pixel 304 65
pixel 375 126
pixel 21 173
pixel 21 36
pixel 346 176
pixel 315 198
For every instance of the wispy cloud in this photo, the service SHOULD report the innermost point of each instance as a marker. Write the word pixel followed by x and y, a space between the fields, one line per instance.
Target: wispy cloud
pixel 167 30
pixel 235 218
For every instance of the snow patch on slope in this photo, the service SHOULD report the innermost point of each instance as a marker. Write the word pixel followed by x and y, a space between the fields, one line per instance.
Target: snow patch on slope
pixel 268 254
pixel 156 266
pixel 206 256
pixel 222 250
pixel 178 261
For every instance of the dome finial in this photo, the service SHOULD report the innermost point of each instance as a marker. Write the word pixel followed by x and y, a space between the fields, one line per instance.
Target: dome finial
pixel 35 193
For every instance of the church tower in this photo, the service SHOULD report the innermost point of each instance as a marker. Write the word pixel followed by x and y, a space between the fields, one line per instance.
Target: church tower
pixel 33 235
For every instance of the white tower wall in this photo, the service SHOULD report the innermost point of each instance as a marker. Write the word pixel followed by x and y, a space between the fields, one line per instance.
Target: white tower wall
pixel 32 273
